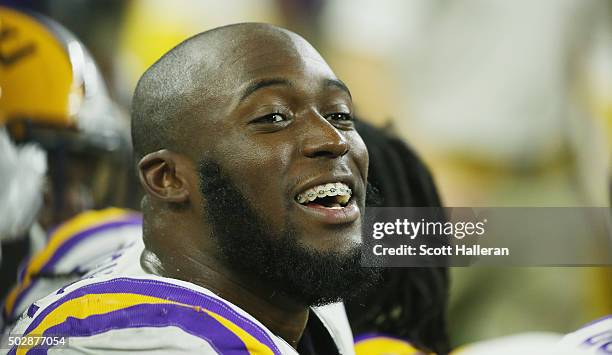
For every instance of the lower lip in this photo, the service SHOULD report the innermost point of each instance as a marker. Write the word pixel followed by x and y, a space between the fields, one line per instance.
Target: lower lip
pixel 344 215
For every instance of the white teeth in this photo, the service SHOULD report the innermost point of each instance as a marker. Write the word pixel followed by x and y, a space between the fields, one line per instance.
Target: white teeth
pixel 330 189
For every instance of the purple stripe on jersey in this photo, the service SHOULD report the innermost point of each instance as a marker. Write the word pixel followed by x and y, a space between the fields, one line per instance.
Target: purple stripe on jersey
pixel 77 238
pixel 198 324
pixel 35 351
pixel 366 336
pixel 132 219
pixel 165 291
pixel 23 266
pixel 32 310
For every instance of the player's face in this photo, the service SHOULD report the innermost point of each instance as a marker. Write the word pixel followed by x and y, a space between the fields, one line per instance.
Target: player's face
pixel 284 136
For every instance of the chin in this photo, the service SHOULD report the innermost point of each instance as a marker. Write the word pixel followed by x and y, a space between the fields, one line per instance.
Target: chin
pixel 341 242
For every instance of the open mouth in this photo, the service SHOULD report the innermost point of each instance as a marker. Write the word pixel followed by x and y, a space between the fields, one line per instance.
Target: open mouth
pixel 331 195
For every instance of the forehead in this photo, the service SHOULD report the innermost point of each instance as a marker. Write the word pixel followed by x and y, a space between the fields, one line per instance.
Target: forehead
pixel 278 55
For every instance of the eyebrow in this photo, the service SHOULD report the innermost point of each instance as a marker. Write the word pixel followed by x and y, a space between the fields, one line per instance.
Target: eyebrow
pixel 264 83
pixel 338 84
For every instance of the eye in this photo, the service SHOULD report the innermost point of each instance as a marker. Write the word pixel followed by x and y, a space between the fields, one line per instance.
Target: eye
pixel 340 116
pixel 341 120
pixel 271 118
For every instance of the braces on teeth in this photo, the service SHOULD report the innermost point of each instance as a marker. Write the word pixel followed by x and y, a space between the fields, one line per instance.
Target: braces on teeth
pixel 331 189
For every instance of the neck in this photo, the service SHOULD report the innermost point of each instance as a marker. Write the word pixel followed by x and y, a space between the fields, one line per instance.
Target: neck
pixel 282 315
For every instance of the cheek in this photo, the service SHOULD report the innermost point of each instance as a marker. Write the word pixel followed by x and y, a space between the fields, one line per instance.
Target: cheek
pixel 360 152
pixel 258 170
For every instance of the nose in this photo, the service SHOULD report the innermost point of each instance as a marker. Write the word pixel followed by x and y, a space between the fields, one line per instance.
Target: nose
pixel 323 139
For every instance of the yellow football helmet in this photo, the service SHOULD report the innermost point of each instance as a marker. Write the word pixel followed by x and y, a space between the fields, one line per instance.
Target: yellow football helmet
pixel 48 79
pixel 53 96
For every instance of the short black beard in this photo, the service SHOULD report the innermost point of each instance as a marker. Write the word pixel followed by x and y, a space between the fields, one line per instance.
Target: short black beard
pixel 280 261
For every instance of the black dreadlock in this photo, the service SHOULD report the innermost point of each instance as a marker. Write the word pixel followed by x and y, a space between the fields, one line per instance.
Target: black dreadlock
pixel 409 303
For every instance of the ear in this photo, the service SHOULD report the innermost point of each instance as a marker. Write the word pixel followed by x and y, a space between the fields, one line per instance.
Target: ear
pixel 163 176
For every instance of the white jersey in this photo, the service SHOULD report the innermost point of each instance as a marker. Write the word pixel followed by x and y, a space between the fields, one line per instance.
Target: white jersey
pixel 120 308
pixel 71 250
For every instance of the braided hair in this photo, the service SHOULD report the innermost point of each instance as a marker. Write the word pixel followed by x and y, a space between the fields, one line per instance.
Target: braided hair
pixel 409 303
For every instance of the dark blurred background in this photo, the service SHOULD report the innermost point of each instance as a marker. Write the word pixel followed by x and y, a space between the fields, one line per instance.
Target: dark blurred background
pixel 508 102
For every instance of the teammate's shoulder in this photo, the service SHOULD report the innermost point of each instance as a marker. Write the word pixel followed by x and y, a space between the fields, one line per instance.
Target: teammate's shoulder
pixel 72 249
pixel 106 309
